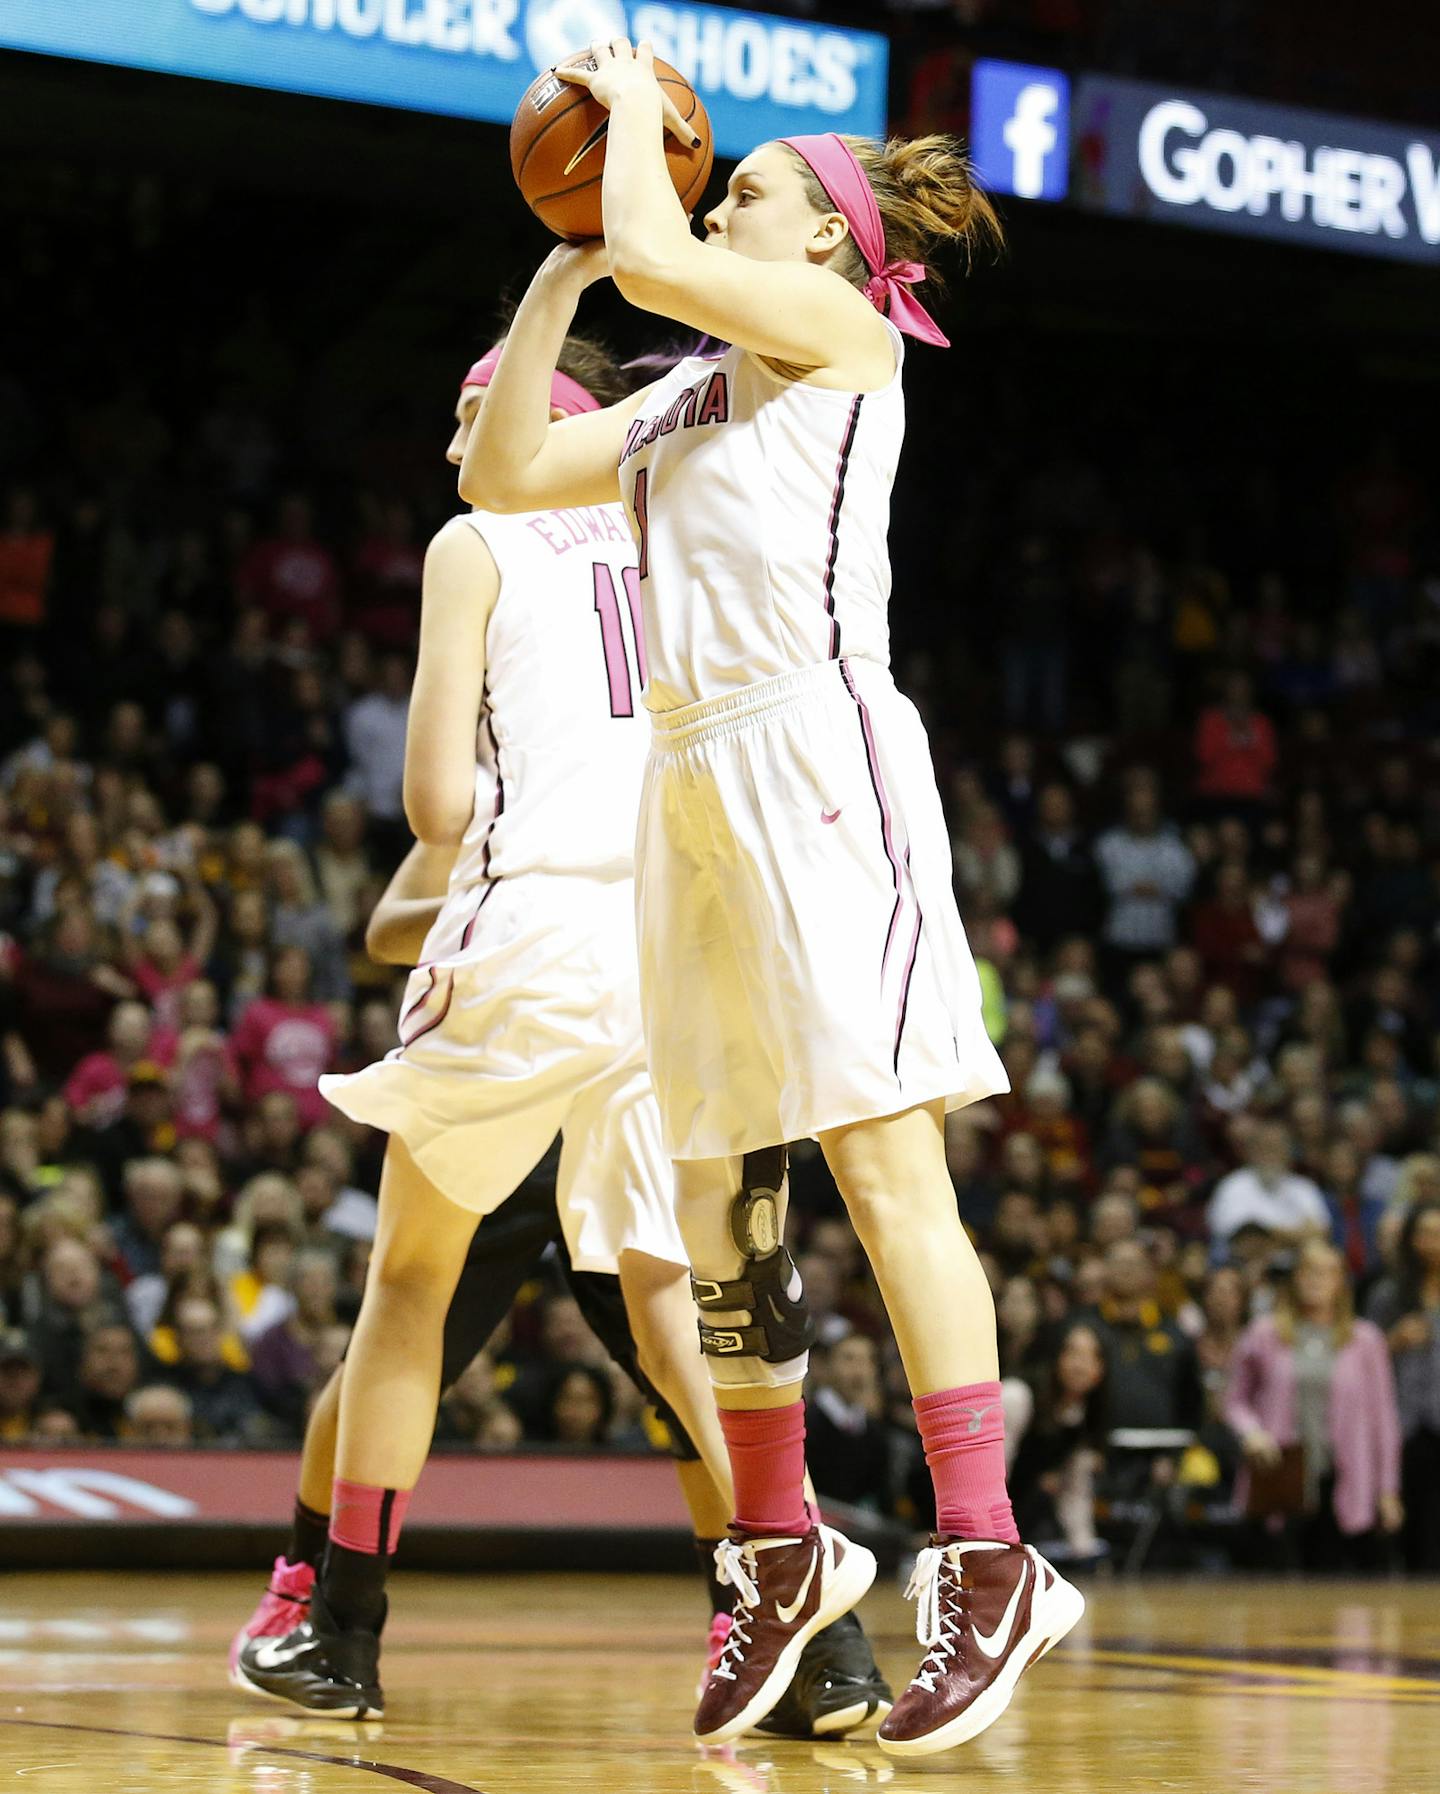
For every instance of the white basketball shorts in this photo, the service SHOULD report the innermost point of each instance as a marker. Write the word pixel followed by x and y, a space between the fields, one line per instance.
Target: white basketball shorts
pixel 523 1021
pixel 802 960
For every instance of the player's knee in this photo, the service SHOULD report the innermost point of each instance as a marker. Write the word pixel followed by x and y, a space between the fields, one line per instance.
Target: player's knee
pixel 876 1206
pixel 407 1271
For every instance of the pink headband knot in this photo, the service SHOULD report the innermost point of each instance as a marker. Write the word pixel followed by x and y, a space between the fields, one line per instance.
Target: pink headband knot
pixel 833 163
pixel 566 395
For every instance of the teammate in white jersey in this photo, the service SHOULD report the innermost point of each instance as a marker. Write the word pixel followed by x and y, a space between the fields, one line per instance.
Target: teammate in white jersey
pixel 803 965
pixel 521 1021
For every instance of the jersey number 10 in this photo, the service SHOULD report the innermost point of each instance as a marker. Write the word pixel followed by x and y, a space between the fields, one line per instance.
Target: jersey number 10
pixel 612 635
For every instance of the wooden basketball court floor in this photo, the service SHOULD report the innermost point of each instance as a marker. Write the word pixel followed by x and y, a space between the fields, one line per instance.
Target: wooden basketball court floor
pixel 115 1684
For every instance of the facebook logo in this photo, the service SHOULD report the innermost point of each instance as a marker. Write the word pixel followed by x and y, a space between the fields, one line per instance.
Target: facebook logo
pixel 1020 129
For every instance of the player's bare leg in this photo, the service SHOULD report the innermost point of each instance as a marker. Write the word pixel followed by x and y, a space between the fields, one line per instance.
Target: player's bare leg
pixel 988 1605
pixel 388 1399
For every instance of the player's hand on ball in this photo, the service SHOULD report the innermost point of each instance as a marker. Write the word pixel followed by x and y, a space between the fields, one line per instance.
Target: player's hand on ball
pixel 583 263
pixel 617 68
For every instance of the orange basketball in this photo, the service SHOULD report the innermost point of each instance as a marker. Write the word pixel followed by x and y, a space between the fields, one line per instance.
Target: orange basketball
pixel 557 149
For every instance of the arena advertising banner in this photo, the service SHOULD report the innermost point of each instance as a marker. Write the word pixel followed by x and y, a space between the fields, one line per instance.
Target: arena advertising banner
pixel 1020 128
pixel 1262 170
pixel 76 1484
pixel 759 76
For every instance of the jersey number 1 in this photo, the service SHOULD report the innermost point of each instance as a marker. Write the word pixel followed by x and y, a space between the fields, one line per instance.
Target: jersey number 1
pixel 612 635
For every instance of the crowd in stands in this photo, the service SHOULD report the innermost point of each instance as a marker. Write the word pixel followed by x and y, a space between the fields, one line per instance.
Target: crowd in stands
pixel 1196 831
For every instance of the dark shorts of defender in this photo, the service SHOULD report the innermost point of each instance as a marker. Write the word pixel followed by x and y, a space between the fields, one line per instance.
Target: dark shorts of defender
pixel 505 1253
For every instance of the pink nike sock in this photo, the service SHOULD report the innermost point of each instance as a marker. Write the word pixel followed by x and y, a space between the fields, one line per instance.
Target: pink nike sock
pixel 963 1431
pixel 367 1519
pixel 767 1460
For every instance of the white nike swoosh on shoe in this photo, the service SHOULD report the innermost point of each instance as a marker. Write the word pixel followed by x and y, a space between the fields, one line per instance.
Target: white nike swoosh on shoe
pixel 278 1653
pixel 995 1644
pixel 787 1614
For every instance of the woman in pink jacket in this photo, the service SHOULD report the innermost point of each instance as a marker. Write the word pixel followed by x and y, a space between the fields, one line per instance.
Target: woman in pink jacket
pixel 1313 1375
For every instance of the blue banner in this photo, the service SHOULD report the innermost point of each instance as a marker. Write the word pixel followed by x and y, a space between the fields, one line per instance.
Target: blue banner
pixel 1020 128
pixel 759 76
pixel 1218 162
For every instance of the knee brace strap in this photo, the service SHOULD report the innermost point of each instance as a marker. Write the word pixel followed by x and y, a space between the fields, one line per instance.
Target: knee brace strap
pixel 778 1326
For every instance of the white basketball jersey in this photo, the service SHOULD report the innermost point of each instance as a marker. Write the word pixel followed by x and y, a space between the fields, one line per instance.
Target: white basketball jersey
pixel 761 506
pixel 562 739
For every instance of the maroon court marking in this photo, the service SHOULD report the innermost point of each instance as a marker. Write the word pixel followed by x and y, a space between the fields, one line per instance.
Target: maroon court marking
pixel 412 1778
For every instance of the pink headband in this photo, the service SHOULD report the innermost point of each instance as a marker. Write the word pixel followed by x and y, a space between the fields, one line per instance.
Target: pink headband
pixel 566 395
pixel 831 160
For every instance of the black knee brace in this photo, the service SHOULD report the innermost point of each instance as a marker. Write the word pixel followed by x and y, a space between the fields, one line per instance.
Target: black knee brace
pixel 778 1327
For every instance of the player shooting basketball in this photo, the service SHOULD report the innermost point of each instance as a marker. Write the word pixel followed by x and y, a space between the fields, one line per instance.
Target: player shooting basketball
pixel 804 970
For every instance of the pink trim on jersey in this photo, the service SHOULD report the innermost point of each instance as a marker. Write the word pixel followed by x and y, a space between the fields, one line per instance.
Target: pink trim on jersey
pixel 901 875
pixel 470 925
pixel 887 827
pixel 837 499
pixel 435 1020
pixel 909 970
pixel 419 1002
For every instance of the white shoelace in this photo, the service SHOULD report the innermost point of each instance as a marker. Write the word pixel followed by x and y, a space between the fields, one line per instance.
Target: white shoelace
pixel 936 1629
pixel 735 1567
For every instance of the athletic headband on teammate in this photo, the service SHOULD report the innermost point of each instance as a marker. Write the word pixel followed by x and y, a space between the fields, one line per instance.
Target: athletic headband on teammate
pixel 566 395
pixel 833 163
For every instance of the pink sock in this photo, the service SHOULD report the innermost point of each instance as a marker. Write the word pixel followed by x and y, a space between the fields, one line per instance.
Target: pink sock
pixel 963 1432
pixel 767 1460
pixel 366 1519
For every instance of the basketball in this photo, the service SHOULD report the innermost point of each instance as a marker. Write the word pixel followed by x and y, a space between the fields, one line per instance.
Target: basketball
pixel 557 149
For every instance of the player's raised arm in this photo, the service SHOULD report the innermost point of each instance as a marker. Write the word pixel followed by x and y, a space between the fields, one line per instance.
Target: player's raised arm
pixel 793 311
pixel 519 457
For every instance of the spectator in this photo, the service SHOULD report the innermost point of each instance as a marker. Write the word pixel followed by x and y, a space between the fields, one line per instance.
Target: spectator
pixel 847 1445
pixel 292 574
pixel 1266 1193
pixel 71 1298
pixel 154 1191
pixel 1146 871
pixel 1406 1306
pixel 472 1413
pixel 159 1416
pixel 1228 938
pixel 96 1089
pixel 284 1358
pixel 286 1040
pixel 579 1406
pixel 1312 1376
pixel 1060 1448
pixel 375 737
pixel 109 1371
pixel 167 960
pixel 1154 1135
pixel 1154 1380
pixel 1059 887
pixel 1235 751
pixel 299 919
pixel 987 867
pixel 21 1376
pixel 343 870
pixel 204 1078
pixel 222 1400
pixel 183 1251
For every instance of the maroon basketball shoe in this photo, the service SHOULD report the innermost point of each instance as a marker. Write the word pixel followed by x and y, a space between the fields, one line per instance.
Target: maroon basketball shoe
pixel 786 1590
pixel 986 1613
pixel 282 1607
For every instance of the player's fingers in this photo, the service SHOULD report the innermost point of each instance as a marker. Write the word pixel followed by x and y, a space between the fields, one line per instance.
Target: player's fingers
pixel 676 124
pixel 576 73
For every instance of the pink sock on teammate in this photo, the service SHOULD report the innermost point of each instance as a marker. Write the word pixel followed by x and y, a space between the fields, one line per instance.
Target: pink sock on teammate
pixel 767 1461
pixel 367 1519
pixel 963 1432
